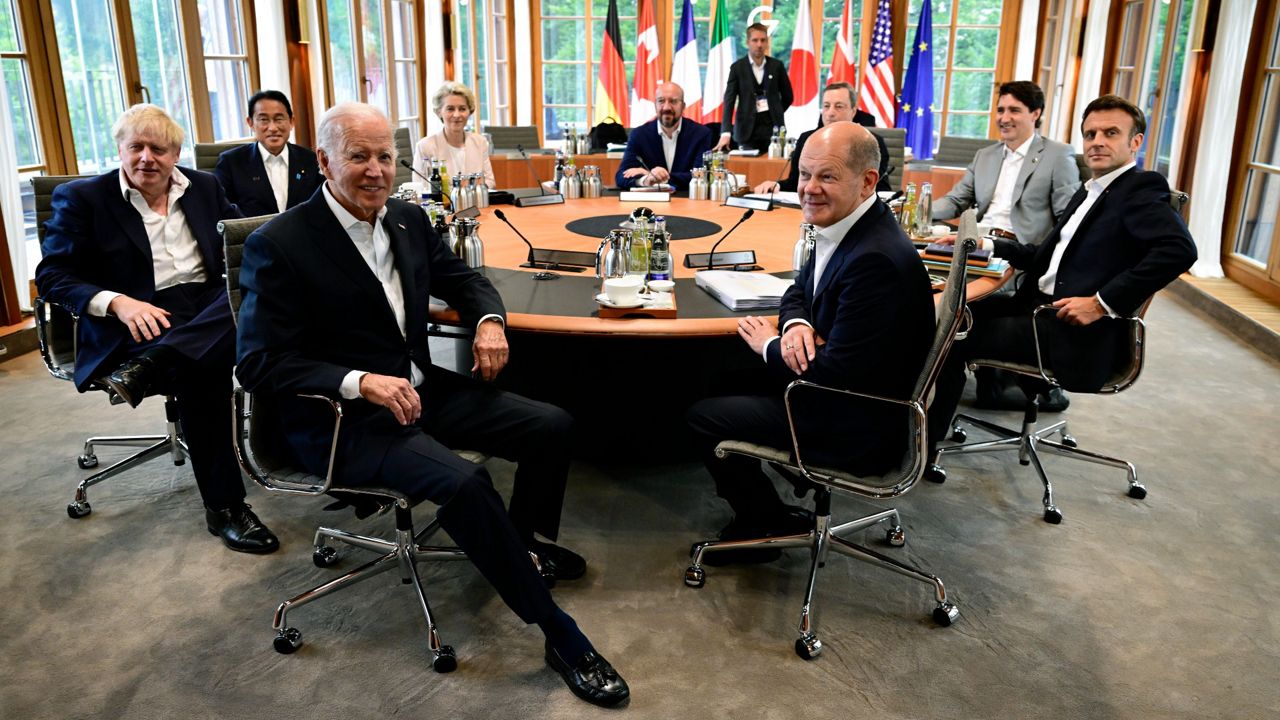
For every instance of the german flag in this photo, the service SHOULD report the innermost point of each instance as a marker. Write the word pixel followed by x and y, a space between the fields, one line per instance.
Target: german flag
pixel 611 78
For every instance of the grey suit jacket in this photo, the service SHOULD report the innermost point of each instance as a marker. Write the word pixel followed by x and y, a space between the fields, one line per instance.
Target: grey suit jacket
pixel 1046 182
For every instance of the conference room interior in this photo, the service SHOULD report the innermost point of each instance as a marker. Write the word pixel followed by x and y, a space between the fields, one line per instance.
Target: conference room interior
pixel 1131 607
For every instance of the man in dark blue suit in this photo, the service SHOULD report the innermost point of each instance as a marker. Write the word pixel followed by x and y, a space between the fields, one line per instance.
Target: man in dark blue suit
pixel 664 150
pixel 1117 243
pixel 136 254
pixel 859 317
pixel 336 293
pixel 271 175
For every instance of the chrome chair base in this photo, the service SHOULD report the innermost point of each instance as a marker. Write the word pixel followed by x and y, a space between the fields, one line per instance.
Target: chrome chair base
pixel 153 446
pixel 404 553
pixel 822 538
pixel 1029 441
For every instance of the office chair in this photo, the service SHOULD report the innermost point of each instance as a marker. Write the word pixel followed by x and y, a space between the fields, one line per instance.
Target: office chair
pixel 1030 440
pixel 56 328
pixel 824 536
pixel 207 154
pixel 260 449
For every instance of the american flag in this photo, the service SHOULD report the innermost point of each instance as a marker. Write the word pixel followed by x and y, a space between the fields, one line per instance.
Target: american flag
pixel 876 96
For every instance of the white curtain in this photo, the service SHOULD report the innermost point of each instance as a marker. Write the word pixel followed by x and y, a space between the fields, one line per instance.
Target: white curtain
pixel 524 70
pixel 1028 30
pixel 273 58
pixel 434 62
pixel 1089 80
pixel 1213 159
pixel 11 200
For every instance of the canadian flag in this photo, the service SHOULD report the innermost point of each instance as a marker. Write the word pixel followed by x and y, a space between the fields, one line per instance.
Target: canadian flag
pixel 645 83
pixel 844 64
pixel 803 71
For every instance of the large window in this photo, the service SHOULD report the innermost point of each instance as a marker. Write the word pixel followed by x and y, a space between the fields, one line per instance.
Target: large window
pixel 966 43
pixel 92 79
pixel 227 66
pixel 1055 75
pixel 15 63
pixel 1253 244
pixel 571 36
pixel 1152 40
pixel 404 35
pixel 372 56
pixel 480 57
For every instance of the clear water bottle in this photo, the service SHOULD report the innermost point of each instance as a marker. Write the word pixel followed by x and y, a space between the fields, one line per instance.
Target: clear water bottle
pixel 924 210
pixel 660 253
pixel 775 144
pixel 907 221
pixel 639 245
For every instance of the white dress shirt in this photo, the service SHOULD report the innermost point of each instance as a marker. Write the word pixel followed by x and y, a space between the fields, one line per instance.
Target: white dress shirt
pixel 175 255
pixel 277 173
pixel 668 149
pixel 824 246
pixel 758 70
pixel 375 247
pixel 1095 188
pixel 997 214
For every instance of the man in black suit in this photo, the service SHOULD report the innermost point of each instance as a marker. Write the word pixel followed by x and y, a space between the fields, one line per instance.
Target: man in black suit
pixel 335 298
pixel 272 174
pixel 759 87
pixel 839 104
pixel 860 317
pixel 1117 243
pixel 136 254
pixel 665 149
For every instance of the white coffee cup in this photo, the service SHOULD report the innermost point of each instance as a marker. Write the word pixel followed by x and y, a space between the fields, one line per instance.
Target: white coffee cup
pixel 623 290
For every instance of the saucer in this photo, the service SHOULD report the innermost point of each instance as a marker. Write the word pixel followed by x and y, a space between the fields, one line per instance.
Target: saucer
pixel 603 299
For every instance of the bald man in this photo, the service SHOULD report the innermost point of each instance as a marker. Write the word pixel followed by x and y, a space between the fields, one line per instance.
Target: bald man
pixel 663 150
pixel 859 317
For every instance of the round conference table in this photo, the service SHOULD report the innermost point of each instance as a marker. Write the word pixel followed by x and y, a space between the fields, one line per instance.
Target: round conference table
pixel 566 305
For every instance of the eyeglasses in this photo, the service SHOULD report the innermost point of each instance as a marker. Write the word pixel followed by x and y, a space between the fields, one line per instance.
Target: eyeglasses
pixel 264 120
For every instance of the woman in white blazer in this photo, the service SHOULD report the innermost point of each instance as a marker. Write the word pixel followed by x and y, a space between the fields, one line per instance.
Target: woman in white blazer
pixel 463 153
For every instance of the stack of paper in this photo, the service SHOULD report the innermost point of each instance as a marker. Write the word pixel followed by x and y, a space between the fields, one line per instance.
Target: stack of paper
pixel 743 290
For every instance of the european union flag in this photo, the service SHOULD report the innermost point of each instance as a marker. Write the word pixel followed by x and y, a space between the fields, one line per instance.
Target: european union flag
pixel 915 105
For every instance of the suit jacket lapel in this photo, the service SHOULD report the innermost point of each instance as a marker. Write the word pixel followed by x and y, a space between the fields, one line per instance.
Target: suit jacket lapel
pixel 130 221
pixel 298 179
pixel 203 224
pixel 844 250
pixel 987 171
pixel 402 254
pixel 1028 166
pixel 332 240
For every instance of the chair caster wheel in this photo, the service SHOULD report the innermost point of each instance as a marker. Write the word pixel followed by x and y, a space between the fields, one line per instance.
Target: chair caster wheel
pixel 288 641
pixel 695 577
pixel 325 556
pixel 945 614
pixel 808 647
pixel 179 462
pixel 445 660
pixel 1053 515
pixel 1137 492
pixel 935 473
pixel 87 461
pixel 1070 441
pixel 959 434
pixel 77 510
pixel 895 536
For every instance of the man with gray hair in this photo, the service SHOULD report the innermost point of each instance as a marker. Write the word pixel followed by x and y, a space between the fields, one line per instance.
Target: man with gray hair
pixel 859 317
pixel 335 300
pixel 136 254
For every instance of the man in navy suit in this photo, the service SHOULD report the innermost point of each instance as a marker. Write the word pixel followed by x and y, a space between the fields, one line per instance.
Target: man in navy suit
pixel 760 89
pixel 664 150
pixel 272 174
pixel 859 317
pixel 136 255
pixel 336 293
pixel 1117 243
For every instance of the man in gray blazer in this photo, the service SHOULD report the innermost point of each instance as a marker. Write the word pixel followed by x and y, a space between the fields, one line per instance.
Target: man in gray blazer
pixel 1019 187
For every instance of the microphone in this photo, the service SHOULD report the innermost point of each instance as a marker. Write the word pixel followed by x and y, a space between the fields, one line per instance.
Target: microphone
pixel 777 183
pixel 711 257
pixel 542 197
pixel 443 196
pixel 544 275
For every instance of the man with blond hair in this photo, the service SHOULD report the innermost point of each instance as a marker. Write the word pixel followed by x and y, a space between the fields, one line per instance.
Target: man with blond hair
pixel 336 293
pixel 135 253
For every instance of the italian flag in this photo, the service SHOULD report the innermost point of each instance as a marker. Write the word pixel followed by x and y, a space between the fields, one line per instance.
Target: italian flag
pixel 719 59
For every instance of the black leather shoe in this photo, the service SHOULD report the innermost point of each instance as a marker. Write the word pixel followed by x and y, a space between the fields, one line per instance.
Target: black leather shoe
pixel 791 521
pixel 241 530
pixel 593 679
pixel 131 380
pixel 557 562
pixel 1055 400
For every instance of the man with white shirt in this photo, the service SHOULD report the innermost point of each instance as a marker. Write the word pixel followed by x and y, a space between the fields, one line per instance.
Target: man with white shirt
pixel 1117 243
pixel 760 90
pixel 665 149
pixel 859 317
pixel 1019 187
pixel 335 301
pixel 136 254
pixel 271 175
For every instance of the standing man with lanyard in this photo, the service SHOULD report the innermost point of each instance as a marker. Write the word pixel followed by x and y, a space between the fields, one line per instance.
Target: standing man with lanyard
pixel 759 87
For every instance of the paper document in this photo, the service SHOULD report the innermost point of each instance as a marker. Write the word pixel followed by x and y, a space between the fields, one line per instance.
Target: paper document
pixel 744 152
pixel 782 197
pixel 743 290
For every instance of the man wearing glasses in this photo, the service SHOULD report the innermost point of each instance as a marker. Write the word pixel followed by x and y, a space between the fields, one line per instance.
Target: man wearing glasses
pixel 272 174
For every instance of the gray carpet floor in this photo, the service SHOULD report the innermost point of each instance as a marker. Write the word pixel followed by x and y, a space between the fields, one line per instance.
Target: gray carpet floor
pixel 1163 608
